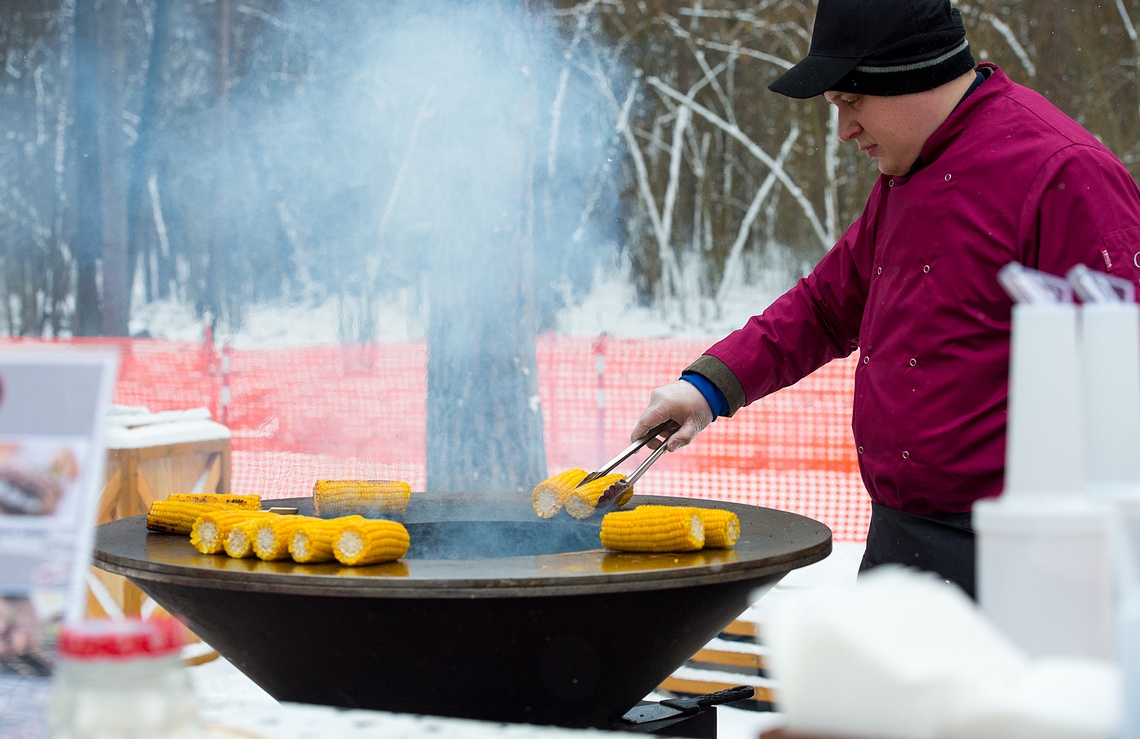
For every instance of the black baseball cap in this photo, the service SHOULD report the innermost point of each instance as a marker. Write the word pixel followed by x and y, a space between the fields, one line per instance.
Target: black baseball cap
pixel 880 47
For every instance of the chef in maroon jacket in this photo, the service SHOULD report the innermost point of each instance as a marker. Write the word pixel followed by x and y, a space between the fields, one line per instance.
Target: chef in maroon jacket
pixel 975 172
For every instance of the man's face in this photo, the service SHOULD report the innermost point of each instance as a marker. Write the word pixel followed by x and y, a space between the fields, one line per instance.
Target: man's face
pixel 890 129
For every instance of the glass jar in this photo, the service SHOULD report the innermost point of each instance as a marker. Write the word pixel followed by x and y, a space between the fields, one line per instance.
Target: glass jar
pixel 122 680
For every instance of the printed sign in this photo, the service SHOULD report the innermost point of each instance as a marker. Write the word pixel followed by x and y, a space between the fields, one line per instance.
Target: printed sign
pixel 53 409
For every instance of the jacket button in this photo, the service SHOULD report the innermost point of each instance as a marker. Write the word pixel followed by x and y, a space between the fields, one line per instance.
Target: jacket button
pixel 866 359
pixel 913 362
pixel 860 450
pixel 946 178
pixel 925 268
pixel 906 455
pixel 879 271
pixel 890 183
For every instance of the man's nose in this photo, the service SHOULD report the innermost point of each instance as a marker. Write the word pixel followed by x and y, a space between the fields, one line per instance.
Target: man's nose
pixel 848 127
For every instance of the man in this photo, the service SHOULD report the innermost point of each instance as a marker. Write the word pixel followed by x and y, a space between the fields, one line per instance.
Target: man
pixel 975 172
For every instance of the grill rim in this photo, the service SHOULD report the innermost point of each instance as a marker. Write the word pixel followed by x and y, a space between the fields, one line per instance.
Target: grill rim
pixel 771 541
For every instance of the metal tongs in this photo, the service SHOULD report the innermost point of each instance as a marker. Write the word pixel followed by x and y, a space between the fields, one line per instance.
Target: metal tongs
pixel 614 492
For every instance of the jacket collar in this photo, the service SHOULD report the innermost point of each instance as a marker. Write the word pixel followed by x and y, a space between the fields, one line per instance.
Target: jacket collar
pixel 996 86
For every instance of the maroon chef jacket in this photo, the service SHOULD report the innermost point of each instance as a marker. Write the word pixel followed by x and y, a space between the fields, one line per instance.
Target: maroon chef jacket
pixel 912 285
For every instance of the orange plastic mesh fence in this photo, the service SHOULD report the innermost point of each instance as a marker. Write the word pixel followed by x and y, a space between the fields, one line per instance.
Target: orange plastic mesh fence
pixel 296 414
pixel 792 450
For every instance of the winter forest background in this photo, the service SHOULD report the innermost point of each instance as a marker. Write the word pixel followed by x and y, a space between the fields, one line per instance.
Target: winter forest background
pixel 475 165
pixel 229 152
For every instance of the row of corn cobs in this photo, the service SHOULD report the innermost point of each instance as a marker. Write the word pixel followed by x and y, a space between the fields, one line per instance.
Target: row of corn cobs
pixel 236 525
pixel 647 528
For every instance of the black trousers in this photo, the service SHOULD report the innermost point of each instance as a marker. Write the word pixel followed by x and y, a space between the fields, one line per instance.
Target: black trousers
pixel 942 543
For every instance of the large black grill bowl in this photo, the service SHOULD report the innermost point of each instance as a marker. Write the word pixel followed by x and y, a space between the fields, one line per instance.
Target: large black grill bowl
pixel 494 613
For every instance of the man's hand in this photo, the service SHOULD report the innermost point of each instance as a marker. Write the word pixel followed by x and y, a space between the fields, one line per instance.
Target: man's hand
pixel 680 402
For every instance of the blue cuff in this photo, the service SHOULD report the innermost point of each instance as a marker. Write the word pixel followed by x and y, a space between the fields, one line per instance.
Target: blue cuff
pixel 712 393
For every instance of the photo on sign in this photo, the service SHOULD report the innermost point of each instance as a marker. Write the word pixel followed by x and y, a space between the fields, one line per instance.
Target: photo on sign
pixel 37 479
pixel 29 627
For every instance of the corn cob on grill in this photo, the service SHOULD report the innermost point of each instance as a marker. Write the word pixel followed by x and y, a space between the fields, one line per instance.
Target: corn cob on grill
pixel 582 500
pixel 332 498
pixel 247 502
pixel 722 527
pixel 209 532
pixel 178 517
pixel 370 541
pixel 653 529
pixel 239 541
pixel 313 540
pixel 271 536
pixel 603 490
pixel 549 496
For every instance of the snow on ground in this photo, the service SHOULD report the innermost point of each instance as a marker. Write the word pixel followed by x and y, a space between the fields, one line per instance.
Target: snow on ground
pixel 610 307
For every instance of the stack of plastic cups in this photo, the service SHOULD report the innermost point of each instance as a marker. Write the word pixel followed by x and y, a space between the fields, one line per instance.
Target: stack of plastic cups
pixel 1044 552
pixel 1110 350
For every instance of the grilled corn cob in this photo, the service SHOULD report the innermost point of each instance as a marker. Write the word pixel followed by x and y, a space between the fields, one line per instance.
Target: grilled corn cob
pixel 550 495
pixel 249 502
pixel 177 517
pixel 271 535
pixel 239 541
pixel 582 500
pixel 333 498
pixel 208 533
pixel 313 540
pixel 653 529
pixel 369 541
pixel 722 527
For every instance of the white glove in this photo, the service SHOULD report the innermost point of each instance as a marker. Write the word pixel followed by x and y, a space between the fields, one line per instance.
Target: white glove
pixel 680 402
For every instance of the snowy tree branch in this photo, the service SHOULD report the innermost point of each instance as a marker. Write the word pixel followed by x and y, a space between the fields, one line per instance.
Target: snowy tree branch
pixel 1006 33
pixel 730 267
pixel 825 238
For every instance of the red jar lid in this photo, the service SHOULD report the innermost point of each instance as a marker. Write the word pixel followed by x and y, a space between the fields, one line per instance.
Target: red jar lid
pixel 121 639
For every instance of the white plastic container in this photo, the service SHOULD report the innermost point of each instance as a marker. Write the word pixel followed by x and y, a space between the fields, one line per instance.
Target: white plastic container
pixel 122 679
pixel 1045 575
pixel 1110 364
pixel 1110 356
pixel 1045 454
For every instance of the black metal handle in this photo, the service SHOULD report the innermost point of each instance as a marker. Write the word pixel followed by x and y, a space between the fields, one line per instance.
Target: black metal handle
pixel 728 695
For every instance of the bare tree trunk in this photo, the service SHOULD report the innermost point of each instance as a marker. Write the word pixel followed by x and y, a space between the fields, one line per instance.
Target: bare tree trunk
pixel 219 227
pixel 88 190
pixel 144 232
pixel 484 422
pixel 484 425
pixel 116 285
